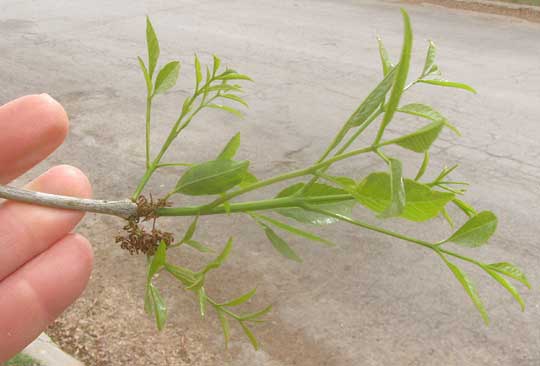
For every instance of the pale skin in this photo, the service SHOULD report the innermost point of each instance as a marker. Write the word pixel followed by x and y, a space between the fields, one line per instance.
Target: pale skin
pixel 44 266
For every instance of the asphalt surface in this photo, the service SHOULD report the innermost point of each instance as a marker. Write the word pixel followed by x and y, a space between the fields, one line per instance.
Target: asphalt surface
pixel 370 301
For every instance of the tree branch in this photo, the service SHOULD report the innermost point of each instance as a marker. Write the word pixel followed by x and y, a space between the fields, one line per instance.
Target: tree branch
pixel 123 208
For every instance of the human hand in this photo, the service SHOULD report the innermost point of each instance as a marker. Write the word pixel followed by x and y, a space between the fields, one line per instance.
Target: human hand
pixel 43 267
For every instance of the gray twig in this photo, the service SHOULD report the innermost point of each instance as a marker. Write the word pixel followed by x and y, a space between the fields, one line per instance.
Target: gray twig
pixel 122 208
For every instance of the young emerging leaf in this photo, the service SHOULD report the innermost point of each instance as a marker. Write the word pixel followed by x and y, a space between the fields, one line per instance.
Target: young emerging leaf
pixel 190 231
pixel 167 77
pixel 465 207
pixel 202 301
pixel 212 177
pixel 233 76
pixel 422 202
pixel 476 231
pixel 429 65
pixel 280 245
pixel 372 101
pixel 248 180
pixel 425 111
pixel 226 108
pixel 419 141
pixel 217 63
pixel 385 60
pixel 231 148
pixel 469 288
pixel 218 261
pixel 256 315
pixel 508 286
pixel 235 98
pixel 510 270
pixel 198 246
pixel 147 78
pixel 153 47
pixel 449 84
pixel 158 260
pixel 240 299
pixel 401 77
pixel 198 72
pixel 184 275
pixel 224 325
pixel 250 336
pixel 294 230
pixel 423 167
pixel 397 191
pixel 158 306
pixel 316 190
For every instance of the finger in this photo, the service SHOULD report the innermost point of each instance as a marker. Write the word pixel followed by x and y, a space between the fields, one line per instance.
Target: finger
pixel 36 294
pixel 32 127
pixel 28 230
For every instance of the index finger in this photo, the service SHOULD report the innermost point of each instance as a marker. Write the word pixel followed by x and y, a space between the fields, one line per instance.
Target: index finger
pixel 31 128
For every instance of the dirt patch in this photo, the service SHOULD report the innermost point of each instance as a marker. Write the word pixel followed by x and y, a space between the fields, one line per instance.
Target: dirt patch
pixel 526 13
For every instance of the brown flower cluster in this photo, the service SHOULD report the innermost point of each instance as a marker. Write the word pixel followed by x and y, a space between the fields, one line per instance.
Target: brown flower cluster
pixel 137 239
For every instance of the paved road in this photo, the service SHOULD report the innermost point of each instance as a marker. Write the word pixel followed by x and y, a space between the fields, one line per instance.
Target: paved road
pixel 371 300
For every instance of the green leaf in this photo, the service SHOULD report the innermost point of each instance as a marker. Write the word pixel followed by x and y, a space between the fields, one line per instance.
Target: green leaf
pixel 202 301
pixel 257 314
pixel 233 76
pixel 476 231
pixel 248 180
pixel 167 77
pixel 419 141
pixel 427 112
pixel 469 288
pixel 294 230
pixel 372 101
pixel 250 336
pixel 153 47
pixel 212 177
pixel 397 191
pixel 184 275
pixel 231 148
pixel 198 72
pixel 449 84
pixel 385 60
pixel 508 286
pixel 224 325
pixel 465 207
pixel 147 78
pixel 218 261
pixel 423 167
pixel 224 88
pixel 217 63
pixel 429 65
pixel 511 271
pixel 401 77
pixel 191 230
pixel 158 260
pixel 226 108
pixel 309 217
pixel 422 202
pixel 240 299
pixel 198 246
pixel 158 306
pixel 234 97
pixel 280 245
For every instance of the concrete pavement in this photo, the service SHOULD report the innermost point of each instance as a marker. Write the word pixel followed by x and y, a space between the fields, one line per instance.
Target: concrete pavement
pixel 370 301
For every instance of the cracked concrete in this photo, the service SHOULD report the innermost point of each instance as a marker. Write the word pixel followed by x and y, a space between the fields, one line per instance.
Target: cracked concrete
pixel 371 301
